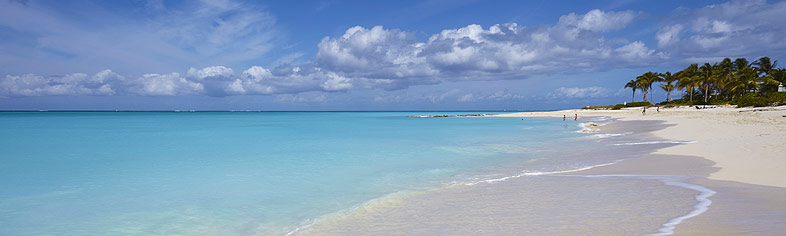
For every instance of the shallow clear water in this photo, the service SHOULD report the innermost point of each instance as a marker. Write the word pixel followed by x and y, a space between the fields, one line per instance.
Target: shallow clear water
pixel 99 173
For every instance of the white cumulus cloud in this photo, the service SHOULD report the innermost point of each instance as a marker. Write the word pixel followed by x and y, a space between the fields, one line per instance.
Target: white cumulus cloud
pixel 392 59
pixel 337 83
pixel 597 20
pixel 738 28
pixel 669 35
pixel 635 52
pixel 586 92
pixel 166 85
pixel 210 71
pixel 71 84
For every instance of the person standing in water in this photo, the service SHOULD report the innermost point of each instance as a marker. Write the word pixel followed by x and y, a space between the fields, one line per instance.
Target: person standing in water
pixel 576 116
pixel 563 117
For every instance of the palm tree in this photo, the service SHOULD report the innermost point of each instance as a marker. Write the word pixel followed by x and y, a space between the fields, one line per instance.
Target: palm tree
pixel 726 79
pixel 668 88
pixel 706 73
pixel 764 67
pixel 677 77
pixel 669 79
pixel 641 81
pixel 633 85
pixel 745 80
pixel 689 83
pixel 725 76
pixel 687 79
pixel 740 63
pixel 779 75
pixel 645 81
pixel 745 76
pixel 654 77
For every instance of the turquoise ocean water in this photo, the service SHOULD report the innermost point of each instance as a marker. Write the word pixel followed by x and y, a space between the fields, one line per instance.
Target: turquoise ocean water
pixel 241 173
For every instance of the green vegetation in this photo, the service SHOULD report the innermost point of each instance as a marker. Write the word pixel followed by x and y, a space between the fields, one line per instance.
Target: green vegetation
pixel 737 82
pixel 757 100
pixel 638 104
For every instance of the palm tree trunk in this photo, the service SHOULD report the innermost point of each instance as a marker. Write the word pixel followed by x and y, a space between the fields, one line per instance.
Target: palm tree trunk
pixel 668 95
pixel 651 93
pixel 633 98
pixel 645 96
pixel 691 93
pixel 706 92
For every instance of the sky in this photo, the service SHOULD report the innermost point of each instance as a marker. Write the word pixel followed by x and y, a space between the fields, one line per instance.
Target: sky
pixel 363 55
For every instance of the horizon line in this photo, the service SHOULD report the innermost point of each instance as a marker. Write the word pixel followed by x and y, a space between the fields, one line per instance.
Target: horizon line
pixel 209 110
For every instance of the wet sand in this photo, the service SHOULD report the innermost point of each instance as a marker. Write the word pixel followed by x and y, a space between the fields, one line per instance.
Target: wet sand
pixel 639 196
pixel 736 209
pixel 739 153
pixel 536 205
pixel 747 144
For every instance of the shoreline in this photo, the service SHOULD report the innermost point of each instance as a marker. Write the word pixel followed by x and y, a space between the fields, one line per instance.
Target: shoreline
pixel 722 135
pixel 734 151
pixel 696 171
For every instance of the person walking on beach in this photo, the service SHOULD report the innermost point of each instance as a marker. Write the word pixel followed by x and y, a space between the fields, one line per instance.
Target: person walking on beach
pixel 644 112
pixel 657 108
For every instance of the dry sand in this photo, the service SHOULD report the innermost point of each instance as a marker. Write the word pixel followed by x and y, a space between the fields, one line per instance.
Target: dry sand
pixel 747 144
pixel 740 154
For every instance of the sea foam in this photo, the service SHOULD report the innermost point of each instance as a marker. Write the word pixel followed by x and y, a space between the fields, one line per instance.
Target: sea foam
pixel 657 142
pixel 702 199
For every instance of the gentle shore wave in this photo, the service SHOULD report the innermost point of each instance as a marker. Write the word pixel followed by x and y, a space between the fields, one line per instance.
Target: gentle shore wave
pixel 666 229
pixel 736 152
pixel 702 199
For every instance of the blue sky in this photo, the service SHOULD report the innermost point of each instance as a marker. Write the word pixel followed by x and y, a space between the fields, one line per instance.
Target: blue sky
pixel 362 55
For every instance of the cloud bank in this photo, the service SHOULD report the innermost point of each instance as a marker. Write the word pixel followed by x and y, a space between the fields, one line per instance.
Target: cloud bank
pixel 154 38
pixel 392 59
pixel 377 58
pixel 735 28
pixel 588 92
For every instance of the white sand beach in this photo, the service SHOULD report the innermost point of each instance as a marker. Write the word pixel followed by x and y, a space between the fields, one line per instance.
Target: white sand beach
pixel 729 169
pixel 745 147
pixel 747 144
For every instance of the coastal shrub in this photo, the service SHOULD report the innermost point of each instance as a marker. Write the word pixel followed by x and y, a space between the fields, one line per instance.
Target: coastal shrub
pixel 751 99
pixel 618 106
pixel 676 103
pixel 758 100
pixel 696 101
pixel 638 104
pixel 715 101
pixel 776 99
pixel 700 101
pixel 748 99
